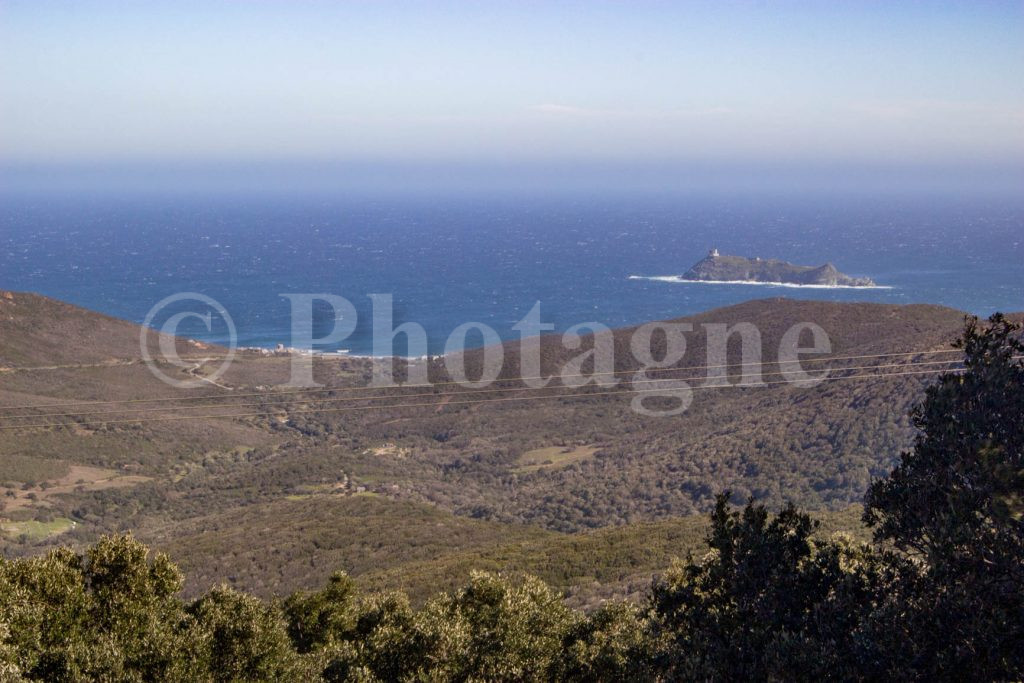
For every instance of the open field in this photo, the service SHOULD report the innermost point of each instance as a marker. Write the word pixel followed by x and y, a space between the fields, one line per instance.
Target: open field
pixel 76 478
pixel 37 531
pixel 552 457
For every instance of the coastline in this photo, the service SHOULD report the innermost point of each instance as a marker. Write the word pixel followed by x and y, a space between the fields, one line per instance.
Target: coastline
pixel 339 354
pixel 676 279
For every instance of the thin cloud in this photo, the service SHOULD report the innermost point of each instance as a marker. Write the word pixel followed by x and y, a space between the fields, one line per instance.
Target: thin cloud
pixel 567 110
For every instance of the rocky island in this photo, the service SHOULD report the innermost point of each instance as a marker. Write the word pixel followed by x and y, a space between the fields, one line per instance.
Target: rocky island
pixel 717 267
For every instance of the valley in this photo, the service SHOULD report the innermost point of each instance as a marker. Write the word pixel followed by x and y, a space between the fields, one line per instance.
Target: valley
pixel 270 489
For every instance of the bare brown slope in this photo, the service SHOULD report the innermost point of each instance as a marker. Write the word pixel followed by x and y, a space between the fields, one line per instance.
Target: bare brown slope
pixel 862 327
pixel 39 331
pixel 58 358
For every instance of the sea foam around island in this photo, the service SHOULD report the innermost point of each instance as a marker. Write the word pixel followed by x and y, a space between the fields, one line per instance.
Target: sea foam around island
pixel 681 280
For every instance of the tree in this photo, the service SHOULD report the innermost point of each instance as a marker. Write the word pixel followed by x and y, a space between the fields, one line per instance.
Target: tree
pixel 10 672
pixel 955 502
pixel 110 614
pixel 768 601
pixel 493 629
pixel 322 618
pixel 244 639
pixel 133 603
pixel 612 644
pixel 383 643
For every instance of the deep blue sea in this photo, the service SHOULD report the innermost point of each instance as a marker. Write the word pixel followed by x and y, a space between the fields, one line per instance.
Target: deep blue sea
pixel 450 261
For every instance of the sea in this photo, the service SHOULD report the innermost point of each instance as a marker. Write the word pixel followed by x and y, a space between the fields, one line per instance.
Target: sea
pixel 447 261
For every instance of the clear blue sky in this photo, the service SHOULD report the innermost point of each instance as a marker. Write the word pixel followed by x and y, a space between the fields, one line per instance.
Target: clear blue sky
pixel 921 83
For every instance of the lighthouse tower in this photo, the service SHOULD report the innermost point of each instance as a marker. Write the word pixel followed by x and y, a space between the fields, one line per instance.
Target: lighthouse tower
pixel 713 253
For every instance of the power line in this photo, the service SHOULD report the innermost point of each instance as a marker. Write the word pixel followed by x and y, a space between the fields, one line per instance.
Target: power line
pixel 434 394
pixel 436 404
pixel 450 383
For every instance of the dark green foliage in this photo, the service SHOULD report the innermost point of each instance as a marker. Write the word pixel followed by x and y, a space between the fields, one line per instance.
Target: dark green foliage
pixel 111 614
pixel 316 620
pixel 768 601
pixel 240 638
pixel 956 498
pixel 612 644
pixel 494 630
pixel 382 645
pixel 956 502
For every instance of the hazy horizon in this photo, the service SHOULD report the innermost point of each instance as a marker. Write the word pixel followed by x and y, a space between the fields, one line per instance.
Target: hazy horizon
pixel 647 94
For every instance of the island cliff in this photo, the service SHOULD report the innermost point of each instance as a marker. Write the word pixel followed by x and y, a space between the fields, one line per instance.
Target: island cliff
pixel 717 267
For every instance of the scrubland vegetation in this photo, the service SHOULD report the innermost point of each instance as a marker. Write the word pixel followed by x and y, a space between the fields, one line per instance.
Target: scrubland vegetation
pixel 937 594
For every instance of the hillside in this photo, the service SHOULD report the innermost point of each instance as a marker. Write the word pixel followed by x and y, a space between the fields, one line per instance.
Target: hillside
pixel 421 549
pixel 454 484
pixel 817 446
pixel 39 331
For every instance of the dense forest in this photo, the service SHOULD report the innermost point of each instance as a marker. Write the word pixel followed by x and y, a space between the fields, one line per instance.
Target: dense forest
pixel 937 594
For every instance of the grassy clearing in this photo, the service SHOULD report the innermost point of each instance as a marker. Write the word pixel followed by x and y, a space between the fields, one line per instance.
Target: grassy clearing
pixel 388 450
pixel 74 478
pixel 553 457
pixel 37 531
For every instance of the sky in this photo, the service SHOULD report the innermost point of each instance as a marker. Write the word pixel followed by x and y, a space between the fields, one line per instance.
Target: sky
pixel 927 86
